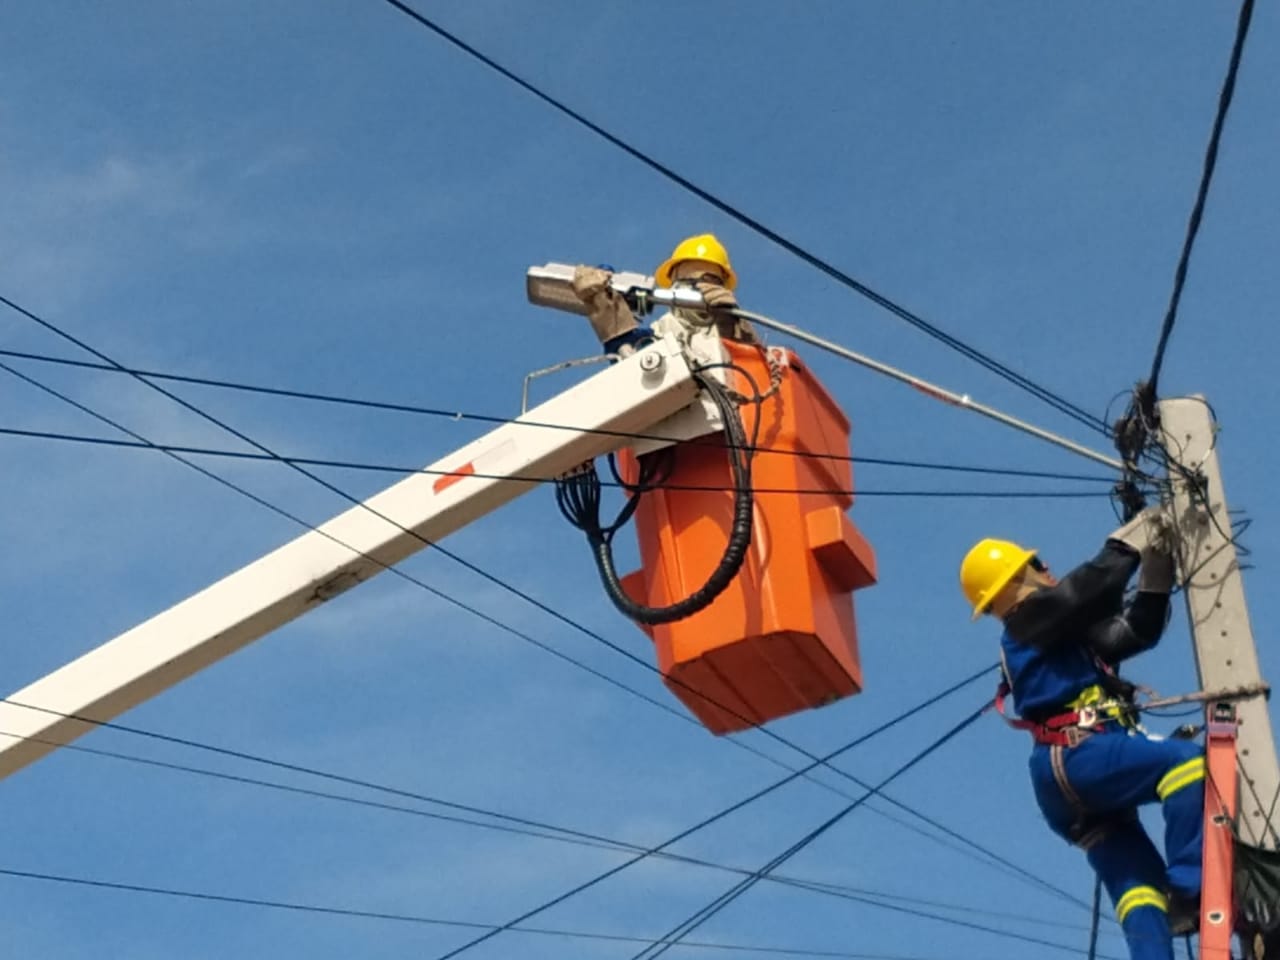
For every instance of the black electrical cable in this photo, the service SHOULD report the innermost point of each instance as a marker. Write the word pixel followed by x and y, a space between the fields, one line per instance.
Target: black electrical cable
pixel 1097 914
pixel 459 415
pixel 1202 193
pixel 579 499
pixel 544 831
pixel 874 899
pixel 480 475
pixel 396 571
pixel 1041 393
pixel 502 584
pixel 691 923
pixel 317 909
pixel 653 851
pixel 967 842
pixel 509 823
pixel 963 924
pixel 706 822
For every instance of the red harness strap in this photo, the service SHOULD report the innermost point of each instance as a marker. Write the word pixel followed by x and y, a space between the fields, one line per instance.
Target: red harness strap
pixel 1062 730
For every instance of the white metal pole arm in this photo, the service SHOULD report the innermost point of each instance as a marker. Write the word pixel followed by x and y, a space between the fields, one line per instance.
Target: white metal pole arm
pixel 929 389
pixel 631 396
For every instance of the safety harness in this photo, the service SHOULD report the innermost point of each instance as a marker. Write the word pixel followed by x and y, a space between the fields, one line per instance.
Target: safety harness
pixel 1109 701
pixel 1061 730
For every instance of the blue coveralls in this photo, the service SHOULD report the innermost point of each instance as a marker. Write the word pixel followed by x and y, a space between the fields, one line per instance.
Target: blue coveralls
pixel 1089 792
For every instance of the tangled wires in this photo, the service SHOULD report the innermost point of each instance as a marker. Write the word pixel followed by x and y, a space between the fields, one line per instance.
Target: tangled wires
pixel 578 496
pixel 1141 438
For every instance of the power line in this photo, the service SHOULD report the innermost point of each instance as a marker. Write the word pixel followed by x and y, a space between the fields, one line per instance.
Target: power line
pixel 973 846
pixel 495 580
pixel 702 824
pixel 861 896
pixel 966 924
pixel 1202 192
pixel 396 571
pixel 641 855
pixel 701 916
pixel 387 468
pixel 740 744
pixel 1041 393
pixel 456 415
pixel 510 824
pixel 316 909
pixel 543 831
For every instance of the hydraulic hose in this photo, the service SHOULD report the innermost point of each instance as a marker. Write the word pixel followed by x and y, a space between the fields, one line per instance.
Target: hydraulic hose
pixel 579 500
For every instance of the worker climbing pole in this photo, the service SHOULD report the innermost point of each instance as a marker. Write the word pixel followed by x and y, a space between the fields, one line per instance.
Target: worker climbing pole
pixel 1093 764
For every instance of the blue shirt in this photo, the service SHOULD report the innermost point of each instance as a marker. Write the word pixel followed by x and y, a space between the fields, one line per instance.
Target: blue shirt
pixel 1045 683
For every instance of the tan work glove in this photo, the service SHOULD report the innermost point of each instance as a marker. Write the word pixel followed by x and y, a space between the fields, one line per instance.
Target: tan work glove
pixel 731 328
pixel 716 295
pixel 609 314
pixel 1137 533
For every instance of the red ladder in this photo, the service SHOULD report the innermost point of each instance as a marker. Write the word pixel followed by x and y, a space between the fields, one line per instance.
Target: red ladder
pixel 1220 803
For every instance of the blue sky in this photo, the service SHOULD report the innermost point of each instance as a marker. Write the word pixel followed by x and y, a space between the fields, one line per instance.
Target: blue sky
pixel 325 197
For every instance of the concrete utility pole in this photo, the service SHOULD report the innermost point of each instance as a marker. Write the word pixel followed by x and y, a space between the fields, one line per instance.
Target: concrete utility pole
pixel 1222 637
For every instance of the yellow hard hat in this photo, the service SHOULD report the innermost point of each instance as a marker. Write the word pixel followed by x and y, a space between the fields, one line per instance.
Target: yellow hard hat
pixel 702 247
pixel 988 568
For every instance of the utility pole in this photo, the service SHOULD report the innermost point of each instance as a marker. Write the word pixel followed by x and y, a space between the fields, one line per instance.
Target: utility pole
pixel 1242 774
pixel 1222 637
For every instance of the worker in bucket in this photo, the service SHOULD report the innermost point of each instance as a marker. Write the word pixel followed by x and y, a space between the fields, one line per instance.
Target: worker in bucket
pixel 701 262
pixel 1092 766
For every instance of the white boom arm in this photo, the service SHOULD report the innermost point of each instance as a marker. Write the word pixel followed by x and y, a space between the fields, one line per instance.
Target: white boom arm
pixel 632 396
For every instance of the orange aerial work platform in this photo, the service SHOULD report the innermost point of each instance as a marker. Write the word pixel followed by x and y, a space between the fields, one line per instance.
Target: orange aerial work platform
pixel 782 636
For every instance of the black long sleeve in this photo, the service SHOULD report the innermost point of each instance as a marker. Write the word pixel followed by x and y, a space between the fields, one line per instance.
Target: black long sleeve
pixel 1134 631
pixel 1063 614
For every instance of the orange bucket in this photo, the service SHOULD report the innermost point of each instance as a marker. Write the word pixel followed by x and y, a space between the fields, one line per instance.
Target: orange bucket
pixel 782 636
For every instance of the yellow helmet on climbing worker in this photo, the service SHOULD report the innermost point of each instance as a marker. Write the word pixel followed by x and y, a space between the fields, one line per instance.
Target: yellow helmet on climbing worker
pixel 704 247
pixel 988 568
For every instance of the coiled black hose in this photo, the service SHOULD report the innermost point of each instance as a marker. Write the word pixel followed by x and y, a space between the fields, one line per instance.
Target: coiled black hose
pixel 578 497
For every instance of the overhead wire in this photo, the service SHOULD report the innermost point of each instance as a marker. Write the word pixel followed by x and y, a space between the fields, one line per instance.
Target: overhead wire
pixel 870 898
pixel 772 735
pixel 662 945
pixel 544 831
pixel 472 416
pixel 348 780
pixel 501 584
pixel 971 848
pixel 386 916
pixel 919 914
pixel 701 916
pixel 467 608
pixel 1097 913
pixel 702 824
pixel 361 466
pixel 507 823
pixel 1244 18
pixel 841 277
pixel 1136 432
